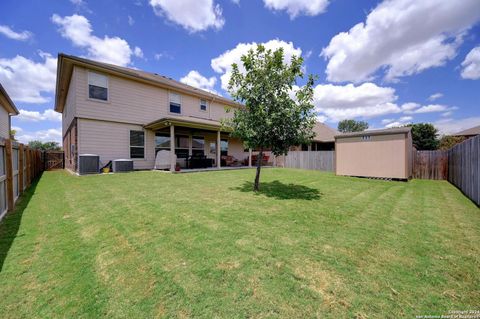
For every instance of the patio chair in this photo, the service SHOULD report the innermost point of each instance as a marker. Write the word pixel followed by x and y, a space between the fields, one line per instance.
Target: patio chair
pixel 162 160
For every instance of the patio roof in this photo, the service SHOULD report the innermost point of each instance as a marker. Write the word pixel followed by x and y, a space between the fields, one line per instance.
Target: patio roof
pixel 186 121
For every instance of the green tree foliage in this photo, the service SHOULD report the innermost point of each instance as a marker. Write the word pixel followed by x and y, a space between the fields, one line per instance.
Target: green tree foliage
pixel 44 146
pixel 271 119
pixel 425 136
pixel 449 141
pixel 12 134
pixel 346 126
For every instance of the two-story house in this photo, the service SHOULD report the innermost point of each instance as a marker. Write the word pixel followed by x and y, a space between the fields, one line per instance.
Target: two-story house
pixel 7 110
pixel 117 112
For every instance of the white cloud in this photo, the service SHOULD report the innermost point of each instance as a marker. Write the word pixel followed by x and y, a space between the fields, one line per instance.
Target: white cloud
pixel 471 65
pixel 49 135
pixel 195 79
pixel 367 100
pixel 35 116
pixel 192 15
pixel 349 101
pixel 400 122
pixel 77 29
pixel 296 8
pixel 20 36
pixel 402 37
pixel 138 52
pixel 429 109
pixel 28 81
pixel 452 126
pixel 435 96
pixel 131 21
pixel 223 63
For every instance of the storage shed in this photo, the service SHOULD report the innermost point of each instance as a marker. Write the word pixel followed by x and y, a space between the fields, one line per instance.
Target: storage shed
pixel 377 153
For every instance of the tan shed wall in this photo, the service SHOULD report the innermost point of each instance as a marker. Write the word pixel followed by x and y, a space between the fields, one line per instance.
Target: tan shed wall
pixel 381 156
pixel 4 123
pixel 137 103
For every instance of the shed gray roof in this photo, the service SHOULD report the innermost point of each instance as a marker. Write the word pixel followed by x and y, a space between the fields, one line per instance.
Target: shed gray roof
pixel 387 131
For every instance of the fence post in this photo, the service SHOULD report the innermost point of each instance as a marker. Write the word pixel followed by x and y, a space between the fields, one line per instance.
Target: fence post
pixel 20 169
pixel 9 171
pixel 27 171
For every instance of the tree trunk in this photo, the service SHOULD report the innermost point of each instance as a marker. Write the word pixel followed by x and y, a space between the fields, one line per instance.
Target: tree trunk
pixel 259 166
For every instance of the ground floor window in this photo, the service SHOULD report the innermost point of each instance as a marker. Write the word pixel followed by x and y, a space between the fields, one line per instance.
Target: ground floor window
pixel 198 146
pixel 181 146
pixel 224 147
pixel 137 144
pixel 162 142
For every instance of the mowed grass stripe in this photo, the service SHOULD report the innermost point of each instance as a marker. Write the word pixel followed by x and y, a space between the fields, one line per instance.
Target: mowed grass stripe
pixel 310 244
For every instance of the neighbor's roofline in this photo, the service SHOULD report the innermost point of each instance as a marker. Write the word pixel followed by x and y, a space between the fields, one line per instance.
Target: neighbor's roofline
pixel 65 68
pixel 7 102
pixel 396 130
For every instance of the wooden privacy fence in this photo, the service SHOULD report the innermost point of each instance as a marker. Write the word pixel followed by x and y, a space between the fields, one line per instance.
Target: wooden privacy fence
pixel 460 165
pixel 430 164
pixel 315 160
pixel 19 166
pixel 464 167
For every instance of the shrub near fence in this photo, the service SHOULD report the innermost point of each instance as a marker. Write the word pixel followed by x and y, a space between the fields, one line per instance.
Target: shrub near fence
pixel 464 167
pixel 19 166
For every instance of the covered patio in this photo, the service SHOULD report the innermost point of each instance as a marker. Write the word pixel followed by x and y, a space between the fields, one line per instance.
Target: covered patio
pixel 198 144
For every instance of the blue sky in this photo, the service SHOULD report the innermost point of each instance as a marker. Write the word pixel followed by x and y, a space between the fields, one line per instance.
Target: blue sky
pixel 386 62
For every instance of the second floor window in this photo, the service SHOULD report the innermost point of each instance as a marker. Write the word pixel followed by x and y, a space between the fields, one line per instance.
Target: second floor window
pixel 175 103
pixel 97 86
pixel 203 105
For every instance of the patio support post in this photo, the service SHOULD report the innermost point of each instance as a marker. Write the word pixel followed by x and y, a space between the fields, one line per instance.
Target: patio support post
pixel 172 148
pixel 218 149
pixel 249 157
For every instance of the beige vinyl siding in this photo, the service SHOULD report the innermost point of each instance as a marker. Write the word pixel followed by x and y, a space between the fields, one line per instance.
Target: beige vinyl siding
pixel 381 156
pixel 111 141
pixel 133 102
pixel 70 105
pixel 4 123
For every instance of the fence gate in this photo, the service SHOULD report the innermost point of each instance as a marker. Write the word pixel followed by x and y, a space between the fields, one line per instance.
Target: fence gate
pixel 54 160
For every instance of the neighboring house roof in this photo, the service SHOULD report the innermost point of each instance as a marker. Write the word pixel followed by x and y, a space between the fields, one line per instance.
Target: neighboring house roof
pixel 324 133
pixel 65 69
pixel 6 102
pixel 469 132
pixel 387 131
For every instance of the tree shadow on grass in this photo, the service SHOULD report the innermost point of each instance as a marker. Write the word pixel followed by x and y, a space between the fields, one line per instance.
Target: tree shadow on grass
pixel 10 223
pixel 279 190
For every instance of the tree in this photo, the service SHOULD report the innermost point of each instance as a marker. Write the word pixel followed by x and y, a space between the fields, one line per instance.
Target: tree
pixel 424 136
pixel 12 134
pixel 449 141
pixel 346 126
pixel 271 118
pixel 44 146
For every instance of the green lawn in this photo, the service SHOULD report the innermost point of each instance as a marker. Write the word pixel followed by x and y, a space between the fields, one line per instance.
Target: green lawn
pixel 310 244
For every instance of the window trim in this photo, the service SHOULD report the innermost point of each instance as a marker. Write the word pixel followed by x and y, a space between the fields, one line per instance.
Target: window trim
pixel 130 146
pixel 88 87
pixel 170 102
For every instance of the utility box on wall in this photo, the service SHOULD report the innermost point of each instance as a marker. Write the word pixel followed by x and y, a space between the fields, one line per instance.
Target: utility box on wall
pixel 377 153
